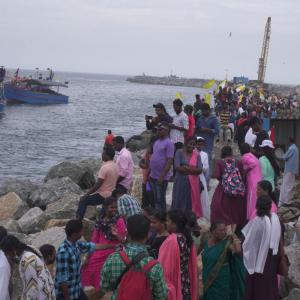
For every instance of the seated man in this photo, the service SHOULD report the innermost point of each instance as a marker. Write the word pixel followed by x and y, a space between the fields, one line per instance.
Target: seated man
pixel 106 183
pixel 127 205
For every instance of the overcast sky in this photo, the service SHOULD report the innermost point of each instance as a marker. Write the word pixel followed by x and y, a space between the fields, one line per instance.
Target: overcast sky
pixel 190 37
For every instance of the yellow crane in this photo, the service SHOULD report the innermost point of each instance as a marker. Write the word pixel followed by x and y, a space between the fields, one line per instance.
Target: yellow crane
pixel 262 64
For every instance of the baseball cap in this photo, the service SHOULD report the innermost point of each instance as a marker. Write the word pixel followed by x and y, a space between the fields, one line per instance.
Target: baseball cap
pixel 200 138
pixel 162 125
pixel 159 105
pixel 267 143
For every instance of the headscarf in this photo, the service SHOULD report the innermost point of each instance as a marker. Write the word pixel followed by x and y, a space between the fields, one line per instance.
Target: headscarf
pixel 261 234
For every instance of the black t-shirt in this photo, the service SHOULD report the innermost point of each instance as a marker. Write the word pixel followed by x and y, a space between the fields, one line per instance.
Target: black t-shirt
pixel 155 245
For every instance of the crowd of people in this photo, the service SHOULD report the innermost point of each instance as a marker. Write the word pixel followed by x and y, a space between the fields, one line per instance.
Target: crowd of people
pixel 150 249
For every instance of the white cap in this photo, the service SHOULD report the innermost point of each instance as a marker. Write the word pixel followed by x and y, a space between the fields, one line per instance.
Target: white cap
pixel 267 143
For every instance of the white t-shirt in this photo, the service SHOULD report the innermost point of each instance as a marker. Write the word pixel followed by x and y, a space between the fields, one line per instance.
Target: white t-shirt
pixel 250 138
pixel 4 276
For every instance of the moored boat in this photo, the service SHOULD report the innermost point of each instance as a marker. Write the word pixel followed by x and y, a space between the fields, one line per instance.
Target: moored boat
pixel 34 91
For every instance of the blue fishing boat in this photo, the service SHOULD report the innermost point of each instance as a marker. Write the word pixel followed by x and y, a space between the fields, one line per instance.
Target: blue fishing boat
pixel 35 91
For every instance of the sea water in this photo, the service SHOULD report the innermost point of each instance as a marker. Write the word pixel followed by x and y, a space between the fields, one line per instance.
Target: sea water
pixel 34 138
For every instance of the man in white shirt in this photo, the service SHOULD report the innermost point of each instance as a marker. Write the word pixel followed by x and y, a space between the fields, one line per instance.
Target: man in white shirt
pixel 180 125
pixel 5 271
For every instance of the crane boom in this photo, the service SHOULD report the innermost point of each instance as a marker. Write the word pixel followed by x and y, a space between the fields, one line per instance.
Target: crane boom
pixel 262 64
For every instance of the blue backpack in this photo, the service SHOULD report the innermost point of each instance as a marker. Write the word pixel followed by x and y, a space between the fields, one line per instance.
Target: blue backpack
pixel 232 182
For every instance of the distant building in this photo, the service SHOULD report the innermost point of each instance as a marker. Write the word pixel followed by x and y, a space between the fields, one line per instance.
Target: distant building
pixel 240 80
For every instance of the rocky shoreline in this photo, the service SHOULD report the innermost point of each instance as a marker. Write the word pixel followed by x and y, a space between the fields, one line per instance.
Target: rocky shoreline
pixel 37 213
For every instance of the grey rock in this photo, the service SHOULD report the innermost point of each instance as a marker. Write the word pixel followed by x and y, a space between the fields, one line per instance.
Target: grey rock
pixel 32 221
pixel 293 253
pixel 293 295
pixel 64 208
pixel 91 163
pixel 11 225
pixel 24 238
pixel 53 236
pixel 139 142
pixel 21 187
pixel 12 206
pixel 82 175
pixel 289 233
pixel 289 213
pixel 53 190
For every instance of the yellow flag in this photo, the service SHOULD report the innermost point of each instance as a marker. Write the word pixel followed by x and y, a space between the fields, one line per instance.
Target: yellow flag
pixel 222 85
pixel 179 96
pixel 207 99
pixel 209 84
pixel 241 88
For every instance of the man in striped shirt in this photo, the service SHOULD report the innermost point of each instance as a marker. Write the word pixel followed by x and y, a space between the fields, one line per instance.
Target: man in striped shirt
pixel 127 205
pixel 224 121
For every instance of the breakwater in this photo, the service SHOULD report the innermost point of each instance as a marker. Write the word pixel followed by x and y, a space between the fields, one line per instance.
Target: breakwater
pixel 168 80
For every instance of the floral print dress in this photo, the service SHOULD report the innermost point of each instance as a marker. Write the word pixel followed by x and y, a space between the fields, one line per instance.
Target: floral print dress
pixel 184 267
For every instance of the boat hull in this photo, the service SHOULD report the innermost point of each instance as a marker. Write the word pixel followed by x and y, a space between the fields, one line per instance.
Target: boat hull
pixel 17 95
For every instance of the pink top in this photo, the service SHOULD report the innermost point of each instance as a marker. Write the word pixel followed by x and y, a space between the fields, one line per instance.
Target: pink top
pixel 125 166
pixel 109 173
pixel 169 258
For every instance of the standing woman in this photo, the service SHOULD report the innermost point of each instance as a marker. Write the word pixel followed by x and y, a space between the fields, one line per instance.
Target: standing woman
pixel 264 188
pixel 36 278
pixel 109 230
pixel 232 210
pixel 204 176
pixel 261 252
pixel 223 270
pixel 178 258
pixel 269 167
pixel 187 185
pixel 253 175
pixel 158 224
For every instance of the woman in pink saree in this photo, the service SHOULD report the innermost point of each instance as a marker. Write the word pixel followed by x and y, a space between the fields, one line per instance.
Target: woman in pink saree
pixel 253 174
pixel 187 184
pixel 110 229
pixel 178 258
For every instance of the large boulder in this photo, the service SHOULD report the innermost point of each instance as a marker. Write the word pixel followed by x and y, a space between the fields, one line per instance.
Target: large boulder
pixel 32 221
pixel 64 208
pixel 80 174
pixel 36 220
pixel 12 206
pixel 289 213
pixel 53 190
pixel 91 163
pixel 21 187
pixel 293 253
pixel 10 225
pixel 139 142
pixel 56 223
pixel 53 236
pixel 293 295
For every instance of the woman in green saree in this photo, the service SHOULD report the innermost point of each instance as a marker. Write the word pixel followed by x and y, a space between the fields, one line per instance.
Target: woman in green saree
pixel 223 269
